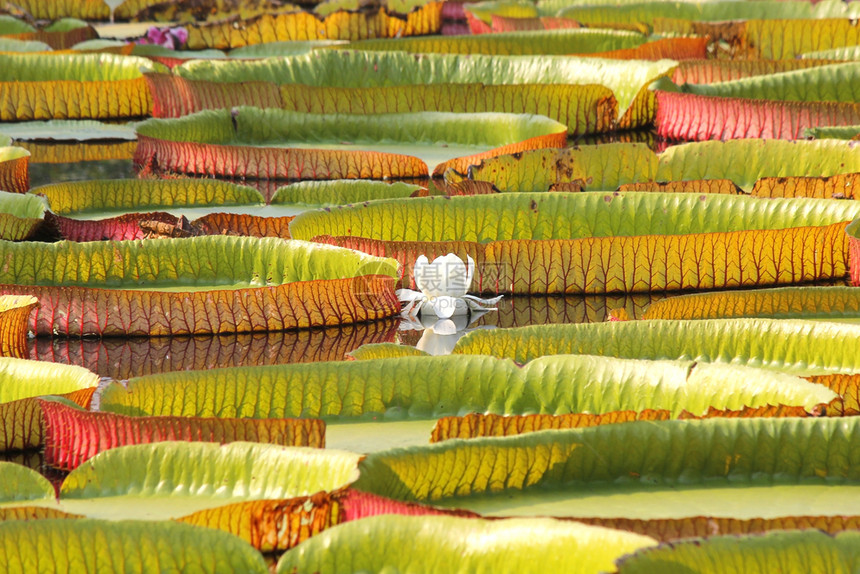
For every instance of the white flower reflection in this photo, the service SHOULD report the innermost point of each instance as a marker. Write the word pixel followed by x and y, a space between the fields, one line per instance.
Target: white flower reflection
pixel 443 285
pixel 441 335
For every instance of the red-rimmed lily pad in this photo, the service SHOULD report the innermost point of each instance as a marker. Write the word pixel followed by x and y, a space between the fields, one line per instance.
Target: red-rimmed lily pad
pixel 250 142
pixel 22 380
pixel 73 435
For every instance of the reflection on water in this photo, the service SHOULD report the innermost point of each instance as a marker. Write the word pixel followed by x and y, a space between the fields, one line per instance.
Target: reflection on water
pixel 45 173
pixel 121 358
pixel 520 311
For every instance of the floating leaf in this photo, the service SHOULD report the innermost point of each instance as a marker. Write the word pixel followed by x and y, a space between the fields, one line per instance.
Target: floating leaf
pixel 665 48
pixel 595 265
pixel 177 286
pixel 833 132
pixel 841 54
pixel 33 513
pixel 73 436
pixel 841 186
pixel 438 542
pixel 726 186
pixel 68 130
pixel 11 25
pixel 343 390
pixel 831 303
pixel 355 69
pixel 585 108
pixel 243 224
pixel 21 483
pixel 478 425
pixel 138 194
pixel 727 452
pixel 175 96
pixel 564 216
pixel 746 161
pixel 786 345
pixel 289 145
pixel 62 545
pixel 201 470
pixel 121 228
pixel 670 529
pixel 601 167
pixel 14 174
pixel 306 26
pixel 847 387
pixel 647 12
pixel 694 117
pixel 482 425
pixel 20 215
pixel 833 83
pixel 795 551
pixel 14 318
pixel 72 86
pixel 8 45
pixel 273 525
pixel 787 39
pixel 713 70
pixel 22 379
pixel 513 24
pixel 59 39
pixel 569 41
pixel 339 192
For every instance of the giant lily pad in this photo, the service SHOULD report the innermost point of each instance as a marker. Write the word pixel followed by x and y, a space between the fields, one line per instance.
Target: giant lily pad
pixel 697 117
pixel 647 12
pixel 376 71
pixel 607 166
pixel 596 241
pixel 21 414
pixel 198 285
pixel 585 108
pixel 72 86
pixel 125 195
pixel 355 391
pixel 803 551
pixel 341 25
pixel 829 303
pixel 339 192
pixel 734 468
pixel 440 542
pixel 14 319
pixel 20 215
pixel 14 162
pixel 65 424
pixel 575 41
pixel 59 545
pixel 250 142
pixel 785 345
pixel 711 70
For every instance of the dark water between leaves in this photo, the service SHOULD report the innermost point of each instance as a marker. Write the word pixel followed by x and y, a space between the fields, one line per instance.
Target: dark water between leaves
pixel 124 358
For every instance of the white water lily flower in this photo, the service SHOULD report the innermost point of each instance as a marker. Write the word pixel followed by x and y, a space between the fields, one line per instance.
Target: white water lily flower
pixel 443 285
